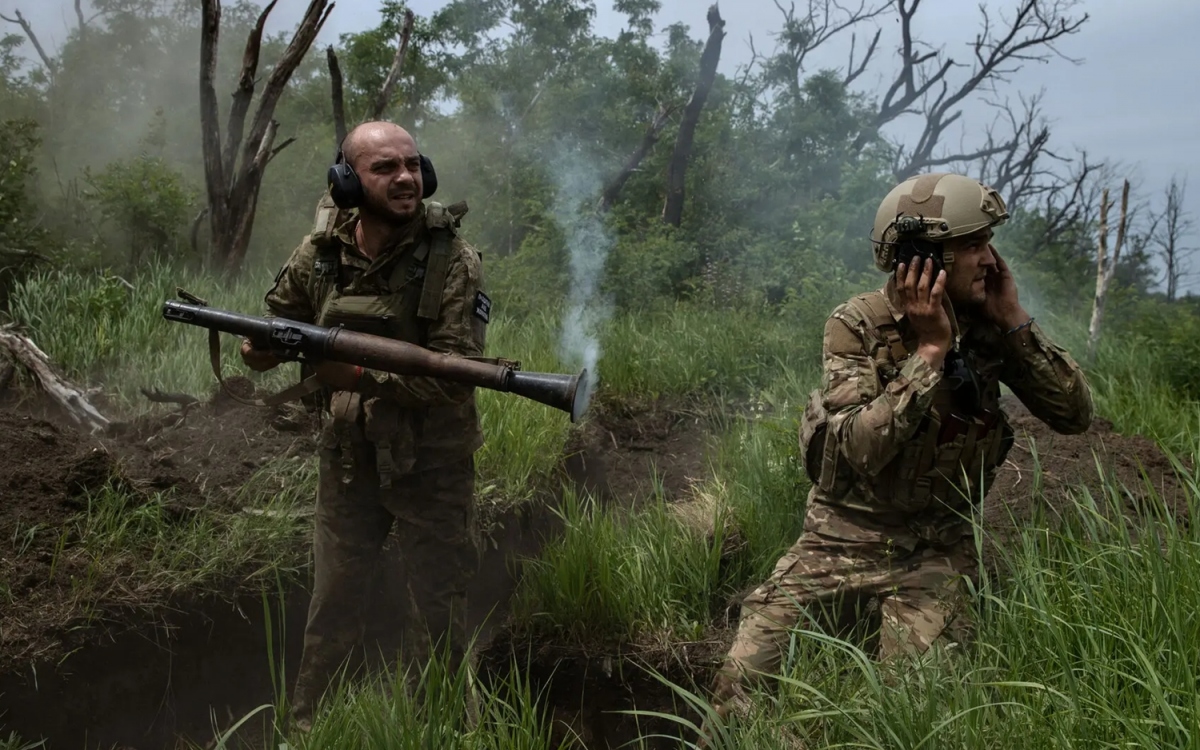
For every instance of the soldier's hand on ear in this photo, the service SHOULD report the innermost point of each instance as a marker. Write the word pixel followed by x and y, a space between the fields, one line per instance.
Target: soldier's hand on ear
pixel 1003 306
pixel 921 300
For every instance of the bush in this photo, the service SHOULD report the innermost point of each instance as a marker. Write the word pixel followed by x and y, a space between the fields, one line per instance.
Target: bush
pixel 147 203
pixel 23 239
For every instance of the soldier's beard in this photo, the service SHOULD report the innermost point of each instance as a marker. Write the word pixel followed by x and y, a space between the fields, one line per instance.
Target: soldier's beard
pixel 381 211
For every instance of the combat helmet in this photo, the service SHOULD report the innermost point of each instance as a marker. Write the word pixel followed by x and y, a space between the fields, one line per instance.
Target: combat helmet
pixel 938 207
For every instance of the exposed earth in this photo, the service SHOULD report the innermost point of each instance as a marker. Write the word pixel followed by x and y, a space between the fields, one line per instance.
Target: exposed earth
pixel 118 664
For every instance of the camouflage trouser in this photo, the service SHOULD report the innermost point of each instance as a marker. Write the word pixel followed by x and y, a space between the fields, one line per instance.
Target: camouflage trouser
pixel 434 515
pixel 918 594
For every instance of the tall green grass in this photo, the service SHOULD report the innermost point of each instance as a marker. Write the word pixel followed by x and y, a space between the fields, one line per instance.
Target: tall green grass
pixel 664 572
pixel 694 350
pixel 159 548
pixel 436 707
pixel 1092 641
pixel 1132 385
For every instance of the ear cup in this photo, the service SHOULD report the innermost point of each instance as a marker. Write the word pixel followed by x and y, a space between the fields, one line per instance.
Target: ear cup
pixel 344 186
pixel 428 178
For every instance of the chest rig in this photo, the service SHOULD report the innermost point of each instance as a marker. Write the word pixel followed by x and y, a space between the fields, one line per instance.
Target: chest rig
pixel 397 295
pixel 954 452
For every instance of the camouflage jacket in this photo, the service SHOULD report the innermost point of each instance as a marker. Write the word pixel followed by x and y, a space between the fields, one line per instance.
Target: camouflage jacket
pixel 911 459
pixel 417 422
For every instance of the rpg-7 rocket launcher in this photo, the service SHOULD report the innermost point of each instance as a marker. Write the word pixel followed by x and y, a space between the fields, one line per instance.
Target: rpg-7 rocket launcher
pixel 304 342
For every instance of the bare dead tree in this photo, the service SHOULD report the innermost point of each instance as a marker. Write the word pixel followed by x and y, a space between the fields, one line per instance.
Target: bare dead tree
pixel 1064 201
pixel 1176 224
pixel 997 51
pixel 47 61
pixel 823 20
pixel 232 182
pixel 1106 267
pixel 677 167
pixel 612 189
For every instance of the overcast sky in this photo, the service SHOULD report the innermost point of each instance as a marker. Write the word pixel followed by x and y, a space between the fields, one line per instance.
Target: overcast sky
pixel 1133 98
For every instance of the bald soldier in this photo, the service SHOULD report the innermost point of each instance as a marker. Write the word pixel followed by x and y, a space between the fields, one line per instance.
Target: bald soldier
pixel 905 435
pixel 396 451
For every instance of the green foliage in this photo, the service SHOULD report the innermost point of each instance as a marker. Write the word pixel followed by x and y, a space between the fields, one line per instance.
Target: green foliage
pixel 23 237
pixel 1089 642
pixel 148 203
pixel 436 706
pixel 668 570
pixel 20 224
pixel 621 580
pixel 167 550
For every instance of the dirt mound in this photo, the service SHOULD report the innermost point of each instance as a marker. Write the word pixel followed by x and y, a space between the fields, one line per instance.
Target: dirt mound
pixel 199 456
pixel 629 447
pixel 1070 463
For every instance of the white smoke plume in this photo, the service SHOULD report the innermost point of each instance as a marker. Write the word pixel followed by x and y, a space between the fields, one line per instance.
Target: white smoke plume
pixel 588 243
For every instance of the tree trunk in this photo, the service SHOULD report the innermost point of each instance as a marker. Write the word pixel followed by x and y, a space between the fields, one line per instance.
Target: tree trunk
pixel 1172 272
pixel 1106 267
pixel 677 168
pixel 233 174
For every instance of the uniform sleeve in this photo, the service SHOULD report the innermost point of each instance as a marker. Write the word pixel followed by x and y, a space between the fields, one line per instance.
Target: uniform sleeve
pixel 870 420
pixel 1047 380
pixel 289 297
pixel 456 332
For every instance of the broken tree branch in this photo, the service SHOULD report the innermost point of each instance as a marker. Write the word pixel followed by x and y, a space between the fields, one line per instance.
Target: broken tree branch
pixel 79 15
pixel 72 399
pixel 21 21
pixel 245 90
pixel 393 76
pixel 337 95
pixel 613 189
pixel 852 73
pixel 275 151
pixel 677 168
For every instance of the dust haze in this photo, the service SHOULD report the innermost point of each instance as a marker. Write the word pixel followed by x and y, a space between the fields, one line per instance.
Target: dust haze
pixel 1094 87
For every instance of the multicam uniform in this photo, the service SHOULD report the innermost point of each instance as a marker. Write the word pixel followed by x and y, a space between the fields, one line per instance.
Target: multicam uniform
pixel 902 462
pixel 398 451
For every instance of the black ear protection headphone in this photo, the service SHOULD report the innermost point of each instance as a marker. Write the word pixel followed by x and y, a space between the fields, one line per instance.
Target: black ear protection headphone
pixel 346 188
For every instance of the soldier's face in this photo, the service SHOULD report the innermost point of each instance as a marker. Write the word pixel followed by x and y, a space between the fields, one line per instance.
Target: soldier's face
pixel 390 169
pixel 966 280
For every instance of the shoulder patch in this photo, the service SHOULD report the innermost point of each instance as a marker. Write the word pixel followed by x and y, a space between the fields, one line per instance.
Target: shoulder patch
pixel 483 307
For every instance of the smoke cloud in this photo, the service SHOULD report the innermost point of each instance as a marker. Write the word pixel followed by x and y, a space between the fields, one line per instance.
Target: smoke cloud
pixel 588 243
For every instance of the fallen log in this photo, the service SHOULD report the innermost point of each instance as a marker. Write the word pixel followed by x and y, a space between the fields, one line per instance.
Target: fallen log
pixel 72 399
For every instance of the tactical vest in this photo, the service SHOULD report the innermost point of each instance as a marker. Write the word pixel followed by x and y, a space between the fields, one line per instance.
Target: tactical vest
pixel 950 459
pixel 398 302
